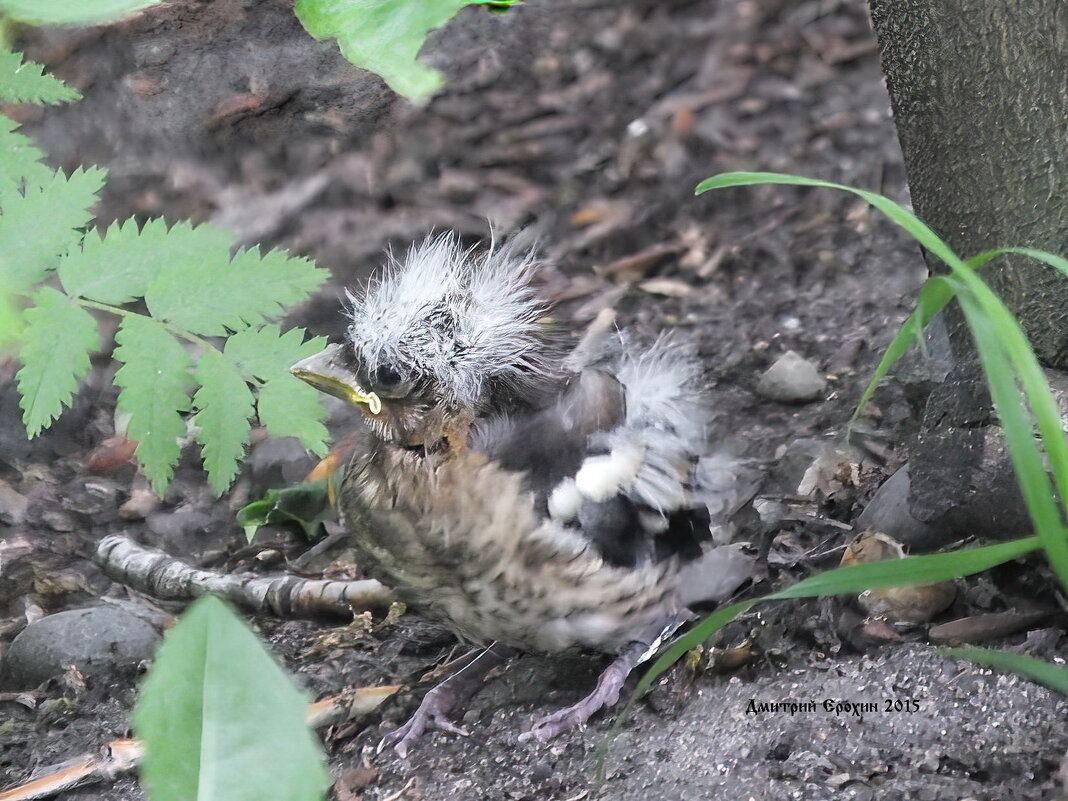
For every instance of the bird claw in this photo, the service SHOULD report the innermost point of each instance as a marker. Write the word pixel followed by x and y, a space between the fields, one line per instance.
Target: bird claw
pixel 561 721
pixel 431 714
pixel 604 695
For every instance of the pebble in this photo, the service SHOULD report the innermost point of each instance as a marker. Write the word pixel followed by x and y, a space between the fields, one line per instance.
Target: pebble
pixel 59 520
pixel 792 379
pixel 96 640
pixel 888 511
pixel 92 496
pixel 12 506
pixel 141 503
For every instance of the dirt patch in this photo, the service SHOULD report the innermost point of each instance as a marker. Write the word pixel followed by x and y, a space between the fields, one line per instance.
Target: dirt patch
pixel 589 122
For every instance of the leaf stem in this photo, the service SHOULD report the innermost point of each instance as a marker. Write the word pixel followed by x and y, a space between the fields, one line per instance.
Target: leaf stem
pixel 121 312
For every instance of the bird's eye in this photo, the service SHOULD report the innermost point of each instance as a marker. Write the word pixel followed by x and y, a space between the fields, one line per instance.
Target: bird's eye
pixel 387 375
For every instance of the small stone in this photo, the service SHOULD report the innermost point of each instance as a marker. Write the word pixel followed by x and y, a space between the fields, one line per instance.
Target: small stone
pixel 96 641
pixel 89 496
pixel 888 511
pixel 59 520
pixel 792 379
pixel 141 503
pixel 12 506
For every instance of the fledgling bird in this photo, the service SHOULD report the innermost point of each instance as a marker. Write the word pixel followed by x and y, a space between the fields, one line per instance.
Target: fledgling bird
pixel 525 498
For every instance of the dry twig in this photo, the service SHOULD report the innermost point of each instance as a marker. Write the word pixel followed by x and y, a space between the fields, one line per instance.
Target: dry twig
pixel 161 576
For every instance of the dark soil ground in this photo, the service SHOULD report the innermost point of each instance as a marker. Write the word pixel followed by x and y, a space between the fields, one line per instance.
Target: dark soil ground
pixel 590 122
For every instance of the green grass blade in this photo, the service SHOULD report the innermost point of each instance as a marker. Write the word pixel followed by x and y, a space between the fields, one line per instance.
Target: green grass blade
pixel 1057 262
pixel 920 231
pixel 1053 676
pixel 926 569
pixel 934 296
pixel 995 332
pixel 694 637
pixel 1043 508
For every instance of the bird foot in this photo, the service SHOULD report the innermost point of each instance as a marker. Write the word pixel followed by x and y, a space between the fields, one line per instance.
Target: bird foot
pixel 604 695
pixel 436 704
pixel 431 714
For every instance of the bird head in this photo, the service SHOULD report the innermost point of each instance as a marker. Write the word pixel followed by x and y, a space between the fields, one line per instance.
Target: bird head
pixel 439 340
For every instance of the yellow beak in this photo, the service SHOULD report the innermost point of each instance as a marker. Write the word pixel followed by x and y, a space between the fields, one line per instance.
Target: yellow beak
pixel 327 373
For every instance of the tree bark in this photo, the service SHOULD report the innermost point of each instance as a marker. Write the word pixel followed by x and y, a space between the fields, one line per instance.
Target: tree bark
pixel 979 90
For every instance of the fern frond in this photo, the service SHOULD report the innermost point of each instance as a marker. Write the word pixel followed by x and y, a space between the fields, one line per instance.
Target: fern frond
pixel 155 384
pixel 42 221
pixel 25 82
pixel 56 343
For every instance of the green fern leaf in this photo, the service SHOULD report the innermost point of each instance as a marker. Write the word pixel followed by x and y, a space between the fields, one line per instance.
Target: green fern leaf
pixel 19 159
pixel 64 12
pixel 287 406
pixel 266 353
pixel 25 82
pixel 12 319
pixel 205 292
pixel 290 408
pixel 118 266
pixel 56 342
pixel 155 389
pixel 224 404
pixel 42 222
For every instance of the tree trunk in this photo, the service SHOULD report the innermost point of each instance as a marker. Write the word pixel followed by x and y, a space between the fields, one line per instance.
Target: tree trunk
pixel 979 90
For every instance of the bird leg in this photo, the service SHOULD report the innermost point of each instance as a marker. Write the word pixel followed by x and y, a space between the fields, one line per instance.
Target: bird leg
pixel 604 695
pixel 436 704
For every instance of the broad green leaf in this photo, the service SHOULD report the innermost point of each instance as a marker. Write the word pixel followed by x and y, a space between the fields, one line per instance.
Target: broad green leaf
pixel 117 265
pixel 56 343
pixel 291 408
pixel 38 225
pixel 384 36
pixel 201 290
pixel 1053 676
pixel 20 160
pixel 25 82
pixel 266 353
pixel 304 504
pixel 155 385
pixel 65 12
pixel 224 406
pixel 221 721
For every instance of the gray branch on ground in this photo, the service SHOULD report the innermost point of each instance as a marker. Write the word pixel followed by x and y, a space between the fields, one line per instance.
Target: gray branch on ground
pixel 161 576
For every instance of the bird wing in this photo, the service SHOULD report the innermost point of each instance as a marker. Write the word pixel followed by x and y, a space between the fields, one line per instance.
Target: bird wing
pixel 616 456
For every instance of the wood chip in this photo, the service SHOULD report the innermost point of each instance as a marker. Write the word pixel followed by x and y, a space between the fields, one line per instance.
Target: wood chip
pixel 669 287
pixel 984 627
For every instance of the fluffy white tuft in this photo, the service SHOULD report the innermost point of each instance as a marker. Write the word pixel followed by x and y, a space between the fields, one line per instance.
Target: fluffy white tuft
pixel 663 390
pixel 467 322
pixel 565 501
pixel 601 477
pixel 666 423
